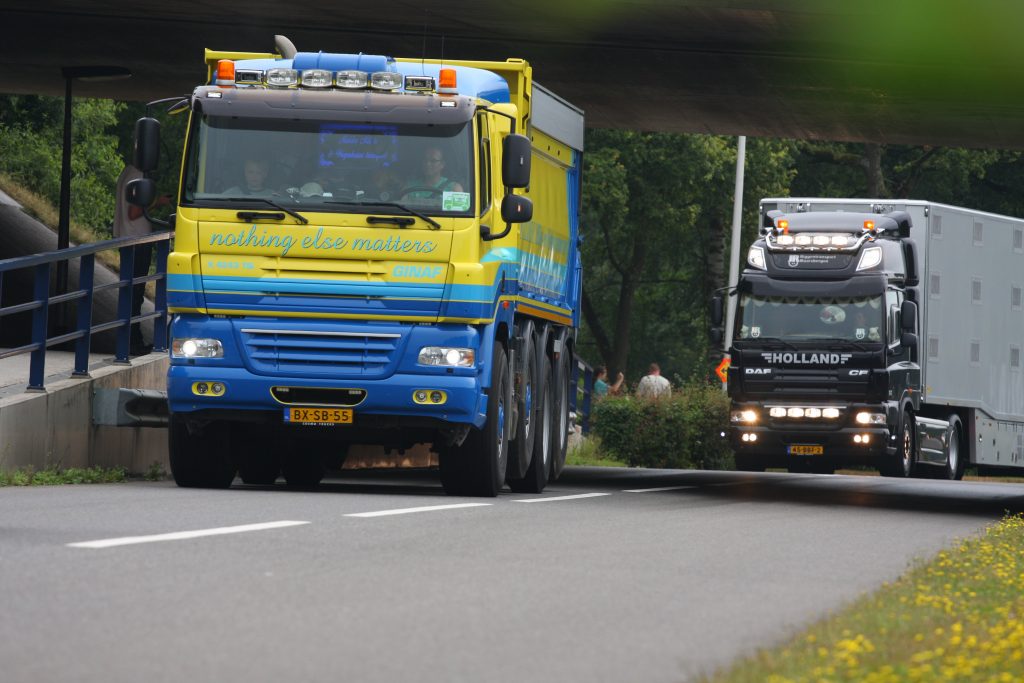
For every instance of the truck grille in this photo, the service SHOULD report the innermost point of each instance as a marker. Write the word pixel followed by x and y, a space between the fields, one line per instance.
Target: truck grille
pixel 321 353
pixel 799 382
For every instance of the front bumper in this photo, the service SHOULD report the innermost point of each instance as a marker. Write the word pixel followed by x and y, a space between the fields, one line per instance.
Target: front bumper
pixel 771 446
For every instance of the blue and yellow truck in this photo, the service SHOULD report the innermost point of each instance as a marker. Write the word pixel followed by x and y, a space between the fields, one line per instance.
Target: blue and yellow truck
pixel 370 250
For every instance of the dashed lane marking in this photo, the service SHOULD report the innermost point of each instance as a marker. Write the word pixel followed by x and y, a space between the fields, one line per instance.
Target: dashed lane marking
pixel 659 488
pixel 557 498
pixel 184 535
pixel 406 511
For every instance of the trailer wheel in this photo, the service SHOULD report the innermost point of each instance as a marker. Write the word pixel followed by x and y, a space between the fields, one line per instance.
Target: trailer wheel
pixel 902 463
pixel 477 467
pixel 200 458
pixel 563 378
pixel 955 464
pixel 536 477
pixel 520 450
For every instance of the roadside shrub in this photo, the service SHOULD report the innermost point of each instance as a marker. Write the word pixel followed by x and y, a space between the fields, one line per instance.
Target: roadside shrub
pixel 681 432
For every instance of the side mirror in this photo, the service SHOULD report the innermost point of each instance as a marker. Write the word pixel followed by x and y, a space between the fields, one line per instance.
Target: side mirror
pixel 908 317
pixel 515 162
pixel 716 310
pixel 716 336
pixel 908 340
pixel 146 155
pixel 516 209
pixel 140 192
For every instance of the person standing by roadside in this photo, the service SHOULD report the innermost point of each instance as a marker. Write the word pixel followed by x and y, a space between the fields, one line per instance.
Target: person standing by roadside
pixel 601 388
pixel 129 221
pixel 653 385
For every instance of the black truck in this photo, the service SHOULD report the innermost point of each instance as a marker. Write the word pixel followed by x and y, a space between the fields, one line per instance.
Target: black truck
pixel 874 333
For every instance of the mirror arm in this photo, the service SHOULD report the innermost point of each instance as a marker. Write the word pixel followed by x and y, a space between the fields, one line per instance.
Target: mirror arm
pixel 489 237
pixel 511 118
pixel 156 221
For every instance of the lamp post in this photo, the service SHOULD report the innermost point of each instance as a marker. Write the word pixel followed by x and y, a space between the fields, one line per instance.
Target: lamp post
pixel 71 74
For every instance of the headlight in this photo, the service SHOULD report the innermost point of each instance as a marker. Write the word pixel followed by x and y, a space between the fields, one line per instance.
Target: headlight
pixel 866 418
pixel 746 416
pixel 197 348
pixel 870 258
pixel 755 257
pixel 447 356
pixel 830 413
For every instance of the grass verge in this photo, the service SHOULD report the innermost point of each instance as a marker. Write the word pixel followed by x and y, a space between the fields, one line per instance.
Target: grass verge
pixel 51 476
pixel 959 617
pixel 587 453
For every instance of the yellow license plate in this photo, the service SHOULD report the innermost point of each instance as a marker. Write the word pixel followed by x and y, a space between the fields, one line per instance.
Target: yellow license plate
pixel 806 450
pixel 318 416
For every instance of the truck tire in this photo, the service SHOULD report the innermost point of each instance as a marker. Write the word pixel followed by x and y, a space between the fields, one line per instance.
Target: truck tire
pixel 536 477
pixel 955 463
pixel 477 467
pixel 200 459
pixel 520 449
pixel 901 464
pixel 560 443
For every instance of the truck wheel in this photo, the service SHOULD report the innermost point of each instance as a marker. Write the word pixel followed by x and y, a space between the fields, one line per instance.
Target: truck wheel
pixel 955 464
pixel 200 459
pixel 902 463
pixel 537 473
pixel 560 443
pixel 520 450
pixel 477 467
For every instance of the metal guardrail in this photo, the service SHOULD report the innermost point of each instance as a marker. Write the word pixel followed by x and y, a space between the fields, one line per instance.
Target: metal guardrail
pixel 581 366
pixel 41 302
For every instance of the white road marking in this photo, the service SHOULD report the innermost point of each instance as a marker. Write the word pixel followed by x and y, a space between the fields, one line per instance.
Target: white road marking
pixel 660 488
pixel 406 511
pixel 548 500
pixel 184 535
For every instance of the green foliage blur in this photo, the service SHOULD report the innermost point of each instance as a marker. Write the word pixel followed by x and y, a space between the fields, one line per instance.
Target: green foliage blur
pixel 683 431
pixel 31 148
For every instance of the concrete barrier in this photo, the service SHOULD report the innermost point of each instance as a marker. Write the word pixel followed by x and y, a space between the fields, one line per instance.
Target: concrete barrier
pixel 54 428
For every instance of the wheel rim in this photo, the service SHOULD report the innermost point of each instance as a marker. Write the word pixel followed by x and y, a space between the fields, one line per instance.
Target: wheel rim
pixel 501 429
pixel 528 406
pixel 545 432
pixel 907 445
pixel 563 413
pixel 954 452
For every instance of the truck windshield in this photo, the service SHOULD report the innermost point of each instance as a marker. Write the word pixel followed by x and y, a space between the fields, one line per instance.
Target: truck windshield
pixel 804 318
pixel 331 166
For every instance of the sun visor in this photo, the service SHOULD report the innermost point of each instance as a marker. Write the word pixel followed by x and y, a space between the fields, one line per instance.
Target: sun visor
pixel 331 106
pixel 864 285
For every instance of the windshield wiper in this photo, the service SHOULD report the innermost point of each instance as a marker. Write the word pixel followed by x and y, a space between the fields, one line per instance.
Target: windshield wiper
pixel 392 205
pixel 295 214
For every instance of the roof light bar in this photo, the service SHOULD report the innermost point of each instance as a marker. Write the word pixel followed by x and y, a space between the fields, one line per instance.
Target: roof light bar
pixel 351 79
pixel 385 80
pixel 282 78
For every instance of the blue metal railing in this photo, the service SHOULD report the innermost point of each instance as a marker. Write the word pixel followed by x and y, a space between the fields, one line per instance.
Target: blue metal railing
pixel 581 366
pixel 41 301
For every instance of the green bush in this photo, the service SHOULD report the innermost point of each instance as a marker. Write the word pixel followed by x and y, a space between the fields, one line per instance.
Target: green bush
pixel 680 432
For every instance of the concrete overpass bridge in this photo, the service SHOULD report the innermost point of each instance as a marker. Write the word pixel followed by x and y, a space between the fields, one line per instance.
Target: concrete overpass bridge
pixel 915 71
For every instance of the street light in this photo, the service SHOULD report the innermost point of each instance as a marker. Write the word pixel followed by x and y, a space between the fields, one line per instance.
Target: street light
pixel 71 74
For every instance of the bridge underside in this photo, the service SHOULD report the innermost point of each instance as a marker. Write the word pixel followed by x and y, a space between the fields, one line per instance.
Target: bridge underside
pixel 922 73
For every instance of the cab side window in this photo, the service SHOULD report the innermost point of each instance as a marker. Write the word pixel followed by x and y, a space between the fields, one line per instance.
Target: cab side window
pixel 893 301
pixel 485 166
